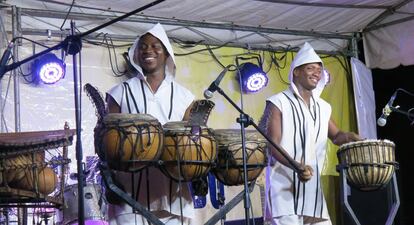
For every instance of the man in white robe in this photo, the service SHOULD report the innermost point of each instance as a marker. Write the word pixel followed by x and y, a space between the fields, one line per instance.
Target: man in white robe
pixel 153 91
pixel 299 120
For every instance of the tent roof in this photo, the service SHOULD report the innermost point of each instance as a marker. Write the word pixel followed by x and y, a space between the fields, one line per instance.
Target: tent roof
pixel 329 25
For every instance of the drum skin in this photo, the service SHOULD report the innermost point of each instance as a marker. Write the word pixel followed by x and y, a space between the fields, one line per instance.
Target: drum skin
pixel 229 167
pixel 369 165
pixel 129 142
pixel 189 151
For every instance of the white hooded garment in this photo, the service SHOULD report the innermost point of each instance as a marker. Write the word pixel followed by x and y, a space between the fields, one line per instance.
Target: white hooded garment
pixel 169 103
pixel 304 137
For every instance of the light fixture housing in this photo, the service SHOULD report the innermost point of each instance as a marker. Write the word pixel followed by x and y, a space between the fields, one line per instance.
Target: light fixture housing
pixel 252 77
pixel 48 69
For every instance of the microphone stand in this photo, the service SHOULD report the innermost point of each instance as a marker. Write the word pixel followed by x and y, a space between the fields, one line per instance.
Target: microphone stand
pixel 409 114
pixel 245 120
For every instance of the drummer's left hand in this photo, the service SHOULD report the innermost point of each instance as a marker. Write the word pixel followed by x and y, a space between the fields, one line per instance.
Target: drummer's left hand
pixel 346 137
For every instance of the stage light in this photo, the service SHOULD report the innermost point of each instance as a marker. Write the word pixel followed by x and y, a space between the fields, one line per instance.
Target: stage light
pixel 252 77
pixel 48 69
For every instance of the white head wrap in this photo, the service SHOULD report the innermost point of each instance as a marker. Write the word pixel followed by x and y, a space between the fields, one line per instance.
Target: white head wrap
pixel 158 32
pixel 307 55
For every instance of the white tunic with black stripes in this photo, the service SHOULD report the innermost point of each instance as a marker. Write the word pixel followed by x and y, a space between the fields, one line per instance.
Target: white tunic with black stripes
pixel 152 188
pixel 304 137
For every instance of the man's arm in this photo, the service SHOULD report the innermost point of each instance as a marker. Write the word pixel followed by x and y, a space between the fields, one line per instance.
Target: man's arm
pixel 339 137
pixel 274 130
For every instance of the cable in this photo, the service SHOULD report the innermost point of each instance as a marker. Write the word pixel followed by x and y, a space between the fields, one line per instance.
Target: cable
pixel 118 72
pixel 67 14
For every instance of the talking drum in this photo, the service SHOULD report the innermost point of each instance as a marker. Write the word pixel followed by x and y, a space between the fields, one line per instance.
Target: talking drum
pixel 94 205
pixel 189 151
pixel 369 165
pixel 229 168
pixel 128 142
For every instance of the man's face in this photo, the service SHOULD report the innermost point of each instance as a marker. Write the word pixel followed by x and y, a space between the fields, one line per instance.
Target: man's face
pixel 308 75
pixel 150 54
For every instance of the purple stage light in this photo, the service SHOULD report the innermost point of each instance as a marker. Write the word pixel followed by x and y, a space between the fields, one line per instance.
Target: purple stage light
pixel 253 78
pixel 49 69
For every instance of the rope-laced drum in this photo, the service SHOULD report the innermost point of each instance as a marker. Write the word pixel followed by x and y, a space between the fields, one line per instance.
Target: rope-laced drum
pixel 32 165
pixel 128 142
pixel 369 165
pixel 189 151
pixel 229 167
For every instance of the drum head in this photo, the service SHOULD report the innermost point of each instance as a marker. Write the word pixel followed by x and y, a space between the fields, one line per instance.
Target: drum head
pixel 225 137
pixel 125 118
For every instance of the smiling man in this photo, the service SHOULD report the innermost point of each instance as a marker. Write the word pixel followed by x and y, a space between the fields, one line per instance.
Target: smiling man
pixel 299 120
pixel 153 91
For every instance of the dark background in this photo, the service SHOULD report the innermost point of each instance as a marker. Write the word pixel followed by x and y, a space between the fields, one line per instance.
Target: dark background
pixel 372 208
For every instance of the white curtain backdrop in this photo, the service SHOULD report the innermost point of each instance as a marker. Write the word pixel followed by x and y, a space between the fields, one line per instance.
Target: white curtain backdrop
pixel 389 47
pixel 364 99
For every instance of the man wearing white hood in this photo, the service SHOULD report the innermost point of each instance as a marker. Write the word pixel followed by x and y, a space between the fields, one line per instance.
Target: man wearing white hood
pixel 153 91
pixel 299 120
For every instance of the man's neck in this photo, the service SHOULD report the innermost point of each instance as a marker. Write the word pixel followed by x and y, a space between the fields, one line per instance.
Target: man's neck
pixel 305 94
pixel 155 80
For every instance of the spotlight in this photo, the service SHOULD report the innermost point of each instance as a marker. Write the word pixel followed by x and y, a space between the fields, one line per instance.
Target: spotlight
pixel 48 69
pixel 253 78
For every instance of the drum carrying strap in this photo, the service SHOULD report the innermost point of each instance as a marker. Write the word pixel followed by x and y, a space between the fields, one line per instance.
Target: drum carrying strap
pixel 129 93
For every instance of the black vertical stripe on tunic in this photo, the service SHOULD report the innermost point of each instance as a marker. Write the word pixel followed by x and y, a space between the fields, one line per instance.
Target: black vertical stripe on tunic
pixel 296 183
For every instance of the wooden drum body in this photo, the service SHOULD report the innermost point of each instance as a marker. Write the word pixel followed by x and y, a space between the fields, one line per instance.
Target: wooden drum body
pixel 128 142
pixel 369 165
pixel 229 168
pixel 189 151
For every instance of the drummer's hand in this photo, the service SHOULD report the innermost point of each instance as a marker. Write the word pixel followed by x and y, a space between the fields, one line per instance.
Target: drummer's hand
pixel 351 137
pixel 346 137
pixel 306 174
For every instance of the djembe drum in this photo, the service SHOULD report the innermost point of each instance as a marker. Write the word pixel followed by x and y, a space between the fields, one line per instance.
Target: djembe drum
pixel 369 165
pixel 229 167
pixel 189 151
pixel 128 142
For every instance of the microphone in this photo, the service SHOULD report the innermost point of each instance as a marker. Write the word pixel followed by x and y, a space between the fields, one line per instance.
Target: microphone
pixel 386 111
pixel 214 86
pixel 5 58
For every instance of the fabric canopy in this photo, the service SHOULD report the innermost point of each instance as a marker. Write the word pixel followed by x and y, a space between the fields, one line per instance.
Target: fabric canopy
pixel 385 25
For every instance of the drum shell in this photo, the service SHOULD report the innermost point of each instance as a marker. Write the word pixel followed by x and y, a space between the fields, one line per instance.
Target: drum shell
pixel 21 164
pixel 94 205
pixel 129 142
pixel 189 151
pixel 229 167
pixel 45 181
pixel 369 165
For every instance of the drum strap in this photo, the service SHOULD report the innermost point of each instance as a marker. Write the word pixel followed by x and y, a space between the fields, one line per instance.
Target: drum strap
pixel 171 100
pixel 144 96
pixel 129 93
